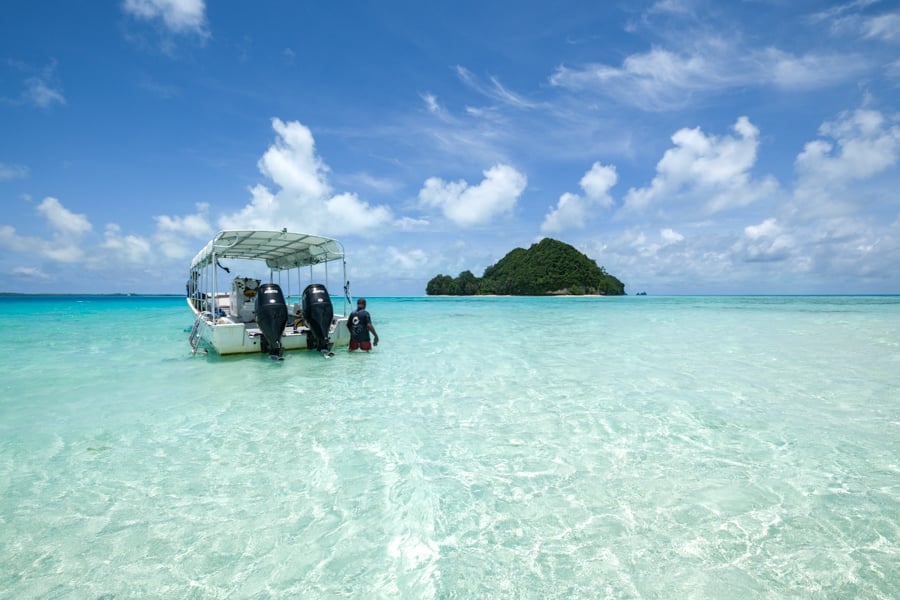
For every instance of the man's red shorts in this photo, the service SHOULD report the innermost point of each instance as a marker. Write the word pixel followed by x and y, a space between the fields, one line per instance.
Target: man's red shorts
pixel 354 345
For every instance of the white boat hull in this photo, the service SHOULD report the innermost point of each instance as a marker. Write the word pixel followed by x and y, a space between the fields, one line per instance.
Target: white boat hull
pixel 222 336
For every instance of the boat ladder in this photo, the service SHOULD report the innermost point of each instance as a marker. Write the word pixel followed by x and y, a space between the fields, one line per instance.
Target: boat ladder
pixel 194 338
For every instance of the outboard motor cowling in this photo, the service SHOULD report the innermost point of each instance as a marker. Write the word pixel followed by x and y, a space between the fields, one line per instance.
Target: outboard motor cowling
pixel 272 316
pixel 318 313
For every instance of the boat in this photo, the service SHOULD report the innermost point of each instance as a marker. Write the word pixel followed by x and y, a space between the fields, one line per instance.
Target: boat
pixel 257 312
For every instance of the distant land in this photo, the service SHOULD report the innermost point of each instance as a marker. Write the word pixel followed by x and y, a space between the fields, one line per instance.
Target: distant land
pixel 547 268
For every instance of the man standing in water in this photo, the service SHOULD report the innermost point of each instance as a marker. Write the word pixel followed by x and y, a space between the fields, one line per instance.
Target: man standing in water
pixel 360 324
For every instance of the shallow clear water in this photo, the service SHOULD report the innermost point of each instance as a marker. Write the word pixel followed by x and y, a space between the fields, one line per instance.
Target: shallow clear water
pixel 632 447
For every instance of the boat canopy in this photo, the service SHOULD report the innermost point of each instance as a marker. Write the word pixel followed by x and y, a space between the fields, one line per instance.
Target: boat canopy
pixel 280 249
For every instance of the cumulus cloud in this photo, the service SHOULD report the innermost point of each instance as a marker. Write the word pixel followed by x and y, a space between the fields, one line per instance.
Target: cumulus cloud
pixel 380 266
pixel 670 236
pixel 652 246
pixel 597 182
pixel 179 16
pixel 855 146
pixel 573 211
pixel 705 171
pixel 63 221
pixel 765 242
pixel 174 235
pixel 129 249
pixel 830 235
pixel 292 162
pixel 409 262
pixel 69 241
pixel 302 200
pixel 469 206
pixel 570 213
pixel 195 225
pixel 357 215
pixel 864 143
pixel 67 230
pixel 16 243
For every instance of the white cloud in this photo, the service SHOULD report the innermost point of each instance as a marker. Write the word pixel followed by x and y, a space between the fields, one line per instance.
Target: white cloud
pixel 764 242
pixel 856 146
pixel 375 266
pixel 196 225
pixel 652 247
pixel 663 79
pixel 411 224
pixel 846 19
pixel 352 215
pixel 292 162
pixel 670 261
pixel 866 144
pixel 431 103
pixel 39 92
pixel 768 228
pixel 69 242
pixel 260 213
pixel 495 91
pixel 573 211
pixel 656 80
pixel 704 171
pixel 467 205
pixel 42 88
pixel 61 220
pixel 128 249
pixel 378 184
pixel 885 27
pixel 303 200
pixel 10 172
pixel 179 16
pixel 67 229
pixel 174 234
pixel 408 262
pixel 16 243
pixel 597 182
pixel 570 213
pixel 670 236
pixel 32 273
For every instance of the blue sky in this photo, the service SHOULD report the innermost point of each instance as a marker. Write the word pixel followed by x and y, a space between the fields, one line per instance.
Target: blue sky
pixel 687 146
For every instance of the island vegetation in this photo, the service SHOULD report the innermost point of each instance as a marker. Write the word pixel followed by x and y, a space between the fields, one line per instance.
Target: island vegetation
pixel 549 267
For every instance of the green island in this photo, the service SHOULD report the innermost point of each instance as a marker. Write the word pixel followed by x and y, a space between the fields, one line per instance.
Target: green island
pixel 547 268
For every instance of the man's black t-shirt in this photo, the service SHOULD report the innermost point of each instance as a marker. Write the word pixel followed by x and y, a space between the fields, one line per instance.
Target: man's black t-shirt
pixel 359 325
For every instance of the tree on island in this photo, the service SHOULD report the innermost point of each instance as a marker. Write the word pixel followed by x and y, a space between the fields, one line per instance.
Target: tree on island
pixel 549 267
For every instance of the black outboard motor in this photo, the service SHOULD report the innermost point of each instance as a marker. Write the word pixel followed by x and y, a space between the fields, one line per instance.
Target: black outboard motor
pixel 318 313
pixel 272 316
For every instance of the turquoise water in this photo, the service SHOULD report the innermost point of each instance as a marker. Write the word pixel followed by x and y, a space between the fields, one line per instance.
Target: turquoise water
pixel 637 447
